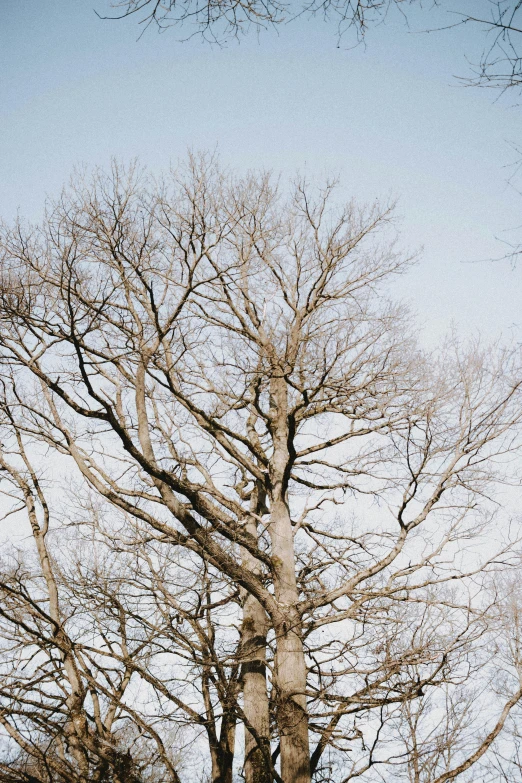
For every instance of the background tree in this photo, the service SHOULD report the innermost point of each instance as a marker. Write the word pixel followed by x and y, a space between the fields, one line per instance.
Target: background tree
pixel 93 612
pixel 498 22
pixel 112 658
pixel 46 681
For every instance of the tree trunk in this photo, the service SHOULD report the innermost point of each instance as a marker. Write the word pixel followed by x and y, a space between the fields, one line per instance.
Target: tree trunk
pixel 253 670
pixel 227 741
pixel 292 718
pixel 75 730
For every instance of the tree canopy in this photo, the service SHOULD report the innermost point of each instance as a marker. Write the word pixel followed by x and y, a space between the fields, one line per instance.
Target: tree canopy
pixel 284 515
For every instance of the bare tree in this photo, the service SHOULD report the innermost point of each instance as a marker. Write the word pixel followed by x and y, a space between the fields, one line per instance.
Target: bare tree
pixel 221 364
pixel 79 626
pixel 192 667
pixel 46 682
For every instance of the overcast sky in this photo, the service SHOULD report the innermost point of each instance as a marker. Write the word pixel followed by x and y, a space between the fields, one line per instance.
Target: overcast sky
pixel 389 118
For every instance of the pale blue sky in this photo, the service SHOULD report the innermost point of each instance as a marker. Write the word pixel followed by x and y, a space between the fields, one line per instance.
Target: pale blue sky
pixel 389 118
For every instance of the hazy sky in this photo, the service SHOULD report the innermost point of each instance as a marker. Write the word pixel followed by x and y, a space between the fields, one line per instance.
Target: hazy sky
pixel 389 118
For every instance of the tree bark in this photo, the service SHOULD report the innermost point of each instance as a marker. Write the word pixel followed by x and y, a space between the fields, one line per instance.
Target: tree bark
pixel 253 670
pixel 292 718
pixel 227 741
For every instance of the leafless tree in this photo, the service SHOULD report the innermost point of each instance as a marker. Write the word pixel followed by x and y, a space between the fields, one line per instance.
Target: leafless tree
pixel 110 615
pixel 189 619
pixel 77 626
pixel 64 673
pixel 220 362
pixel 46 682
